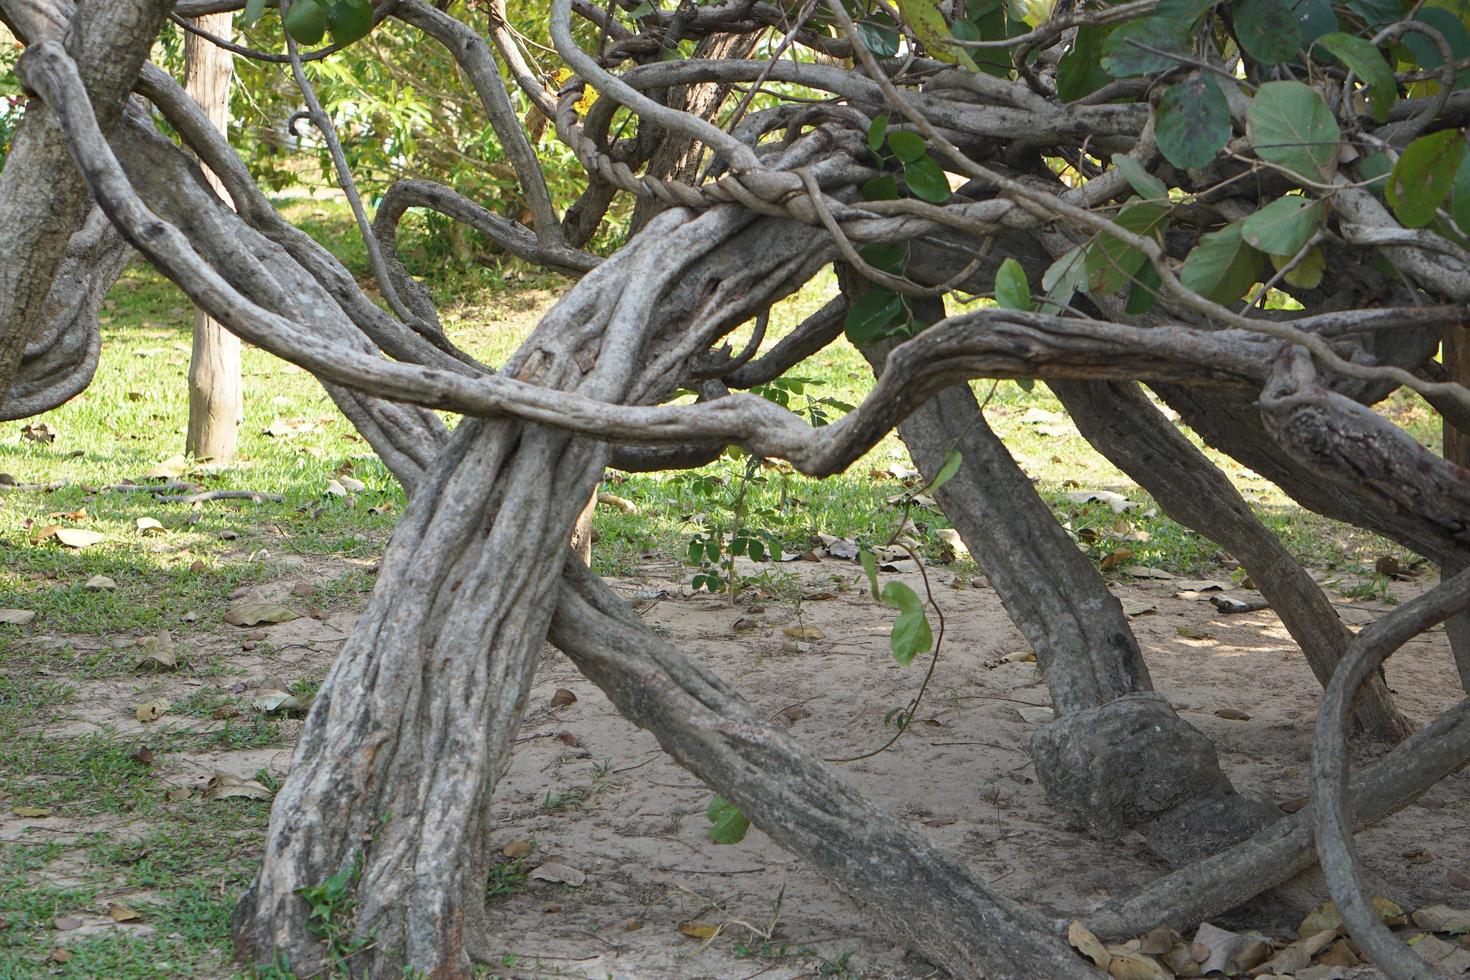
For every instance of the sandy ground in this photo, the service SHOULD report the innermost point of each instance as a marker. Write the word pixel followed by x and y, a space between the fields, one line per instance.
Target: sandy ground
pixel 596 795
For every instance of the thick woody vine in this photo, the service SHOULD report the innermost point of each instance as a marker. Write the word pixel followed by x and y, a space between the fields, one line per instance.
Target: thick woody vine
pixel 1259 209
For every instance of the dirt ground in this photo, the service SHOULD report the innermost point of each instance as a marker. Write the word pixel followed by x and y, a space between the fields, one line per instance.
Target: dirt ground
pixel 591 793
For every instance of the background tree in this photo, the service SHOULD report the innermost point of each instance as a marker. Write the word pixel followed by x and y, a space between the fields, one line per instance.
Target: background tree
pixel 1258 211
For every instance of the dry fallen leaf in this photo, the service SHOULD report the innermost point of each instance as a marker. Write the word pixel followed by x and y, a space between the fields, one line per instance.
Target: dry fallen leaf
pixel 562 698
pixel 621 503
pixel 1442 918
pixel 1084 942
pixel 1190 633
pixel 1459 879
pixel 170 469
pixel 223 786
pixel 66 923
pixel 559 873
pixel 121 913
pixel 17 617
pixel 157 654
pixel 100 583
pixel 149 525
pixel 32 811
pixel 76 537
pixel 1019 657
pixel 151 711
pixel 802 632
pixel 1128 965
pixel 59 955
pixel 1137 607
pixel 335 489
pixel 699 930
pixel 1232 714
pixel 1145 571
pixel 254 612
pixel 516 849
pixel 351 485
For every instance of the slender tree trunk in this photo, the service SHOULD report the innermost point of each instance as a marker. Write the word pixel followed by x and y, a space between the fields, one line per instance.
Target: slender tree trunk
pixel 1456 357
pixel 216 401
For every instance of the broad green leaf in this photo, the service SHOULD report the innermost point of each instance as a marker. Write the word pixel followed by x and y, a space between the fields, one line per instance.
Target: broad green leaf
pixel 1424 175
pixel 727 825
pixel 1375 168
pixel 1144 291
pixel 1314 19
pixel 890 257
pixel 306 21
pixel 1012 291
pixel 870 568
pixel 928 24
pixel 990 21
pixel 1460 196
pixel 1377 13
pixel 877 130
pixel 1145 184
pixel 884 188
pixel 1284 226
pixel 1192 122
pixel 1367 63
pixel 911 635
pixel 1133 49
pixel 905 145
pixel 1222 266
pixel 1065 276
pixel 253 10
pixel 1080 71
pixel 1290 125
pixel 1426 52
pixel 1306 274
pixel 926 180
pixel 1112 262
pixel 350 20
pixel 880 35
pixel 1187 11
pixel 952 461
pixel 870 314
pixel 1267 30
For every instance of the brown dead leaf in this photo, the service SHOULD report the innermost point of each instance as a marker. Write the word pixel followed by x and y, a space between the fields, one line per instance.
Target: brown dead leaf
pixel 39 432
pixel 122 913
pixel 34 812
pixel 795 713
pixel 1459 879
pixel 66 923
pixel 1190 633
pixel 802 632
pixel 1417 856
pixel 562 698
pixel 149 525
pixel 1157 941
pixel 1339 953
pixel 1145 571
pixel 699 930
pixel 516 849
pixel 142 755
pixel 224 786
pixel 1232 714
pixel 1442 918
pixel 1085 942
pixel 76 537
pixel 255 612
pixel 620 503
pixel 59 955
pixel 1292 806
pixel 303 589
pixel 567 738
pixel 156 655
pixel 1125 964
pixel 100 583
pixel 170 469
pixel 151 711
pixel 562 874
pixel 17 617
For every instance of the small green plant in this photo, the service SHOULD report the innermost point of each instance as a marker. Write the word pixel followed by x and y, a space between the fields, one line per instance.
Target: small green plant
pixel 506 878
pixel 332 905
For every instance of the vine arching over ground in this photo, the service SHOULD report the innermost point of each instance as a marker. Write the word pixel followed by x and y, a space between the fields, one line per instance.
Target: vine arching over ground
pixel 1258 211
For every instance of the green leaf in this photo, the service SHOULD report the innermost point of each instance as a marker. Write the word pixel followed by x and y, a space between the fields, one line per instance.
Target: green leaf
pixel 1144 291
pixel 252 13
pixel 880 35
pixel 889 257
pixel 1012 291
pixel 870 314
pixel 905 145
pixel 1426 52
pixel 877 130
pixel 1222 266
pixel 1365 61
pixel 1290 125
pixel 1267 30
pixel 1424 176
pixel 928 24
pixel 1306 274
pixel 911 635
pixel 1284 226
pixel 1132 49
pixel 1080 71
pixel 1377 13
pixel 1111 262
pixel 1314 18
pixel 1192 122
pixel 884 188
pixel 926 180
pixel 1148 187
pixel 1065 276
pixel 727 825
pixel 306 21
pixel 952 461
pixel 1187 11
pixel 1460 196
pixel 870 568
pixel 350 20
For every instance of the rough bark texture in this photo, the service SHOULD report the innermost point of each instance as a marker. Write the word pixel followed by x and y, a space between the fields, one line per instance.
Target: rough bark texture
pixel 216 397
pixel 1456 359
pixel 1126 428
